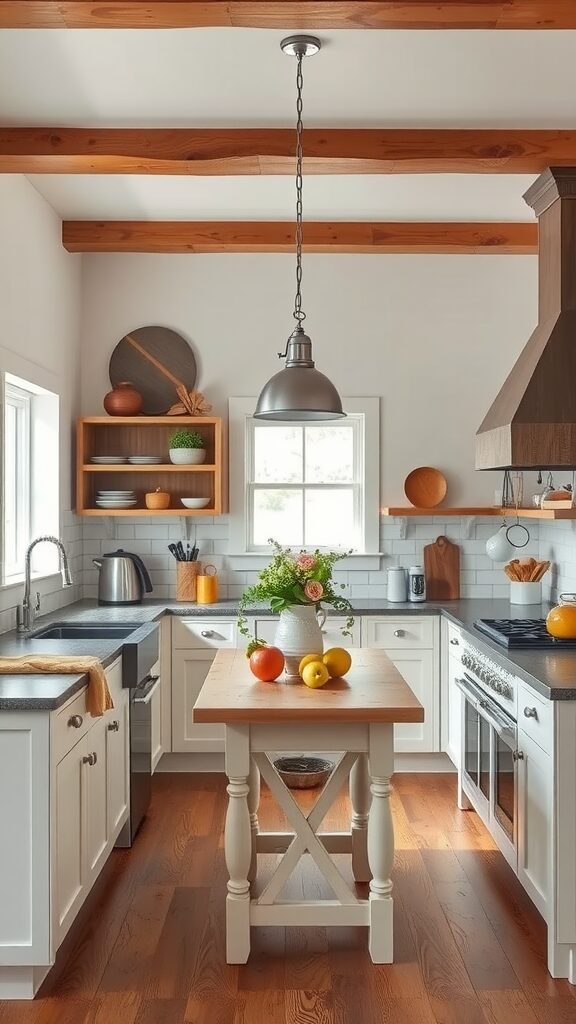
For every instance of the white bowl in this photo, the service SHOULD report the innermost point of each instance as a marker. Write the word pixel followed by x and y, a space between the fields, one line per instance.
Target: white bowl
pixel 187 456
pixel 195 502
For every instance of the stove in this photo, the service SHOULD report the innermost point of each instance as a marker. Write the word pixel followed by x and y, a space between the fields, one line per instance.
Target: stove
pixel 518 634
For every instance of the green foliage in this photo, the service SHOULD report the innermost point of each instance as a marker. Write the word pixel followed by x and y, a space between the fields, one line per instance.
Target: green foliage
pixel 186 439
pixel 297 578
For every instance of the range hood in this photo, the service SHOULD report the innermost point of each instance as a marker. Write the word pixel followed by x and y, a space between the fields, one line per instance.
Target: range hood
pixel 532 422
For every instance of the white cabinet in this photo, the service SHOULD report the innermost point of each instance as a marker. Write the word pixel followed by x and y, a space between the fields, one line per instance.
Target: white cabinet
pixel 194 645
pixel 156 725
pixel 117 765
pixel 534 821
pixel 69 811
pixel 412 644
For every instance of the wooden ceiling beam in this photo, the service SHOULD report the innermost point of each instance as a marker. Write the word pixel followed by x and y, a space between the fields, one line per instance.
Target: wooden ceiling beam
pixel 294 14
pixel 224 151
pixel 319 237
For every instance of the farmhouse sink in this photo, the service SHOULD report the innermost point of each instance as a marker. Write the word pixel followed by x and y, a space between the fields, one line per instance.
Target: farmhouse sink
pixel 86 631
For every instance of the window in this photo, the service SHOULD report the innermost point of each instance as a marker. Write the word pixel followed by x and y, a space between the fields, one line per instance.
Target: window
pixel 30 487
pixel 307 485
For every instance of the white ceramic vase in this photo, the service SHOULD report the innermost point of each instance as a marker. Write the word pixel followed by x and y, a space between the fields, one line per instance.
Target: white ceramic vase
pixel 298 633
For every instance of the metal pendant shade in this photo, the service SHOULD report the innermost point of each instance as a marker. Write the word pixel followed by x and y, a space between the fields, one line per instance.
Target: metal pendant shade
pixel 299 391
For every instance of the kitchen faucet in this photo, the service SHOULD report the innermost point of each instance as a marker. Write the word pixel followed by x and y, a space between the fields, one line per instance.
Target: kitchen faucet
pixel 26 613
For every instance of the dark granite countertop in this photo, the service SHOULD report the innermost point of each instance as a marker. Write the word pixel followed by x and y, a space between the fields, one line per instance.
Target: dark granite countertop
pixel 551 673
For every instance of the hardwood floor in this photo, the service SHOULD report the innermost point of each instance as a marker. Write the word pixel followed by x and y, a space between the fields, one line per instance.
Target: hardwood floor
pixel 149 949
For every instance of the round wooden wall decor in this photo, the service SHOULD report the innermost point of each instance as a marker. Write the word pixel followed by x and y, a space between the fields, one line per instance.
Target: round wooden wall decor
pixel 171 362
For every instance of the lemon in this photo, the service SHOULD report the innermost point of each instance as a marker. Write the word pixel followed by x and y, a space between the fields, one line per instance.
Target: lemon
pixel 307 659
pixel 338 661
pixel 315 674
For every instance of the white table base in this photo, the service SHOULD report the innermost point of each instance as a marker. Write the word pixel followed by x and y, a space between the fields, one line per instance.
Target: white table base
pixel 369 761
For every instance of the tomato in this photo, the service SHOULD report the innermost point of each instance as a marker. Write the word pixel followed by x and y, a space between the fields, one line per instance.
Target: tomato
pixel 267 663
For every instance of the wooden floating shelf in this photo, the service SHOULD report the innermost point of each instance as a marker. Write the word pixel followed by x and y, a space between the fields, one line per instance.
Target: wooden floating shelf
pixel 149 512
pixel 158 467
pixel 478 510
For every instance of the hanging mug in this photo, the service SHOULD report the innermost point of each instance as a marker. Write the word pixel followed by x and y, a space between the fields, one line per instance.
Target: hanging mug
pixel 207 585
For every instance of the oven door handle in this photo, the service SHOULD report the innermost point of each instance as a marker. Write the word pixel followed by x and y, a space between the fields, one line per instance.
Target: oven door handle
pixel 485 708
pixel 149 693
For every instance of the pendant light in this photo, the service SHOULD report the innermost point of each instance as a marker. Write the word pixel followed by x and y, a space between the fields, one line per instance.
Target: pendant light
pixel 299 391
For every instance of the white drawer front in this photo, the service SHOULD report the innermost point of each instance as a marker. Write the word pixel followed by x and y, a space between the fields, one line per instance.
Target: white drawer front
pixel 70 724
pixel 409 632
pixel 455 643
pixel 204 632
pixel 535 716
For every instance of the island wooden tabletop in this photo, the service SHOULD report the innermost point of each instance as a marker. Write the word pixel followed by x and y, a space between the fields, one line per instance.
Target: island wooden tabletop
pixel 372 691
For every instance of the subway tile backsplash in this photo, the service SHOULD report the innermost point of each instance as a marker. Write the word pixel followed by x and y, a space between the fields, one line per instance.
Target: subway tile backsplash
pixel 480 577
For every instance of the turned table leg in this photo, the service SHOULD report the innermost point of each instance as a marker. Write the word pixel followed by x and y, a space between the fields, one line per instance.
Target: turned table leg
pixel 238 845
pixel 253 802
pixel 381 844
pixel 360 799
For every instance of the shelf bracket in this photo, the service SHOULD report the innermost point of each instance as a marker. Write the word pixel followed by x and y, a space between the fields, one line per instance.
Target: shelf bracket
pixel 468 527
pixel 109 524
pixel 403 527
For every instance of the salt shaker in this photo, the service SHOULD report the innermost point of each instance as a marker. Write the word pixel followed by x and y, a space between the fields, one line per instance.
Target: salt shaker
pixel 416 583
pixel 397 583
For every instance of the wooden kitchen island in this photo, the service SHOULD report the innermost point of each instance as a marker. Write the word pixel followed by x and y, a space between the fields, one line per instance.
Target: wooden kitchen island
pixel 355 715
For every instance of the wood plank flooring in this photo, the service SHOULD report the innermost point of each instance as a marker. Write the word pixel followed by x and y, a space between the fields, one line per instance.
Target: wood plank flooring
pixel 149 948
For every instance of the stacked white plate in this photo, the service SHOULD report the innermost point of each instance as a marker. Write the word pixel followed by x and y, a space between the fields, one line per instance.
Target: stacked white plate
pixel 145 460
pixel 116 499
pixel 108 460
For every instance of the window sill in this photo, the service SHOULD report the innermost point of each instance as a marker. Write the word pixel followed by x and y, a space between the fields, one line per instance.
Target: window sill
pixel 247 560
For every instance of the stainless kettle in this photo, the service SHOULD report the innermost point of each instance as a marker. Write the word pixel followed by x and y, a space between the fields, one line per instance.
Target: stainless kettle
pixel 124 579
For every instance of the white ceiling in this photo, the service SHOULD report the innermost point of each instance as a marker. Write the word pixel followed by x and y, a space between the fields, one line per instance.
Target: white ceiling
pixel 354 197
pixel 240 77
pixel 236 77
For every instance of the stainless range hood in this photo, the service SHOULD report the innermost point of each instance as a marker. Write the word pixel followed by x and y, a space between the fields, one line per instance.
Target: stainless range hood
pixel 532 422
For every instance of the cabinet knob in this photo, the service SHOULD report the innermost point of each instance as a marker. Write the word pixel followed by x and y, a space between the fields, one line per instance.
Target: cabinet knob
pixel 517 755
pixel 399 632
pixel 454 641
pixel 75 721
pixel 114 726
pixel 90 758
pixel 530 713
pixel 207 633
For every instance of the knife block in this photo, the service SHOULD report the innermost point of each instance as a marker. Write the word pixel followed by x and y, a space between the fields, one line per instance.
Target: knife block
pixel 186 573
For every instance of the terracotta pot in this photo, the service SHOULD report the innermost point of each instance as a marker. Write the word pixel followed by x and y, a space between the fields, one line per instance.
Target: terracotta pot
pixel 123 400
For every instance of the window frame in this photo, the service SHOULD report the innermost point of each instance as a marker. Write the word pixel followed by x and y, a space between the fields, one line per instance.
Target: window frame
pixel 21 400
pixel 366 414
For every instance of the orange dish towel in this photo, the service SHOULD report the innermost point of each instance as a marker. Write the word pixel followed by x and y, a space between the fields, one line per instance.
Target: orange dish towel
pixel 98 698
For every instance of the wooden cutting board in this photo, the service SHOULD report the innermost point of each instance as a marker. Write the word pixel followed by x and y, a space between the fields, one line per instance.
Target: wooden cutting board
pixel 442 570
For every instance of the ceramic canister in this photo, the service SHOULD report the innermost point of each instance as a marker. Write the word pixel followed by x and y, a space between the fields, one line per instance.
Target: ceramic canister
pixel 397 588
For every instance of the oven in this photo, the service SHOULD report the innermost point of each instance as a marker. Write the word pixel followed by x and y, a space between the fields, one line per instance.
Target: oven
pixel 488 764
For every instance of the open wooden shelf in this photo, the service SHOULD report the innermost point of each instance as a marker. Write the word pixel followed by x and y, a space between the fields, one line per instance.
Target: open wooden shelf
pixel 148 435
pixel 479 510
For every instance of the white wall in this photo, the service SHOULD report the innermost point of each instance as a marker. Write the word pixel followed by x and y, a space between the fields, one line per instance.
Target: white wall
pixel 39 337
pixel 435 336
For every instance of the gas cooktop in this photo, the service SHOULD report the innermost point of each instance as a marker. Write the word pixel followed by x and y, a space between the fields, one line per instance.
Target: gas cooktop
pixel 522 633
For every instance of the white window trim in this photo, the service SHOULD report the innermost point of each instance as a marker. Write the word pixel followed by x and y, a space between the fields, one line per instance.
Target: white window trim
pixel 21 399
pixel 240 413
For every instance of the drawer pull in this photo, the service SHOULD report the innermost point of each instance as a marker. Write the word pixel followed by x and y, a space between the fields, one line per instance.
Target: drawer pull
pixel 90 759
pixel 517 755
pixel 530 713
pixel 114 726
pixel 207 633
pixel 75 721
pixel 399 632
pixel 454 641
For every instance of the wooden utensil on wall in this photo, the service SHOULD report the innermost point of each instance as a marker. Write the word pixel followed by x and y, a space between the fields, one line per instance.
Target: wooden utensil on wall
pixel 442 570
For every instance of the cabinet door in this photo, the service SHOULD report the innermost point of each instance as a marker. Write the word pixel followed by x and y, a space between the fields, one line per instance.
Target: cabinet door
pixel 95 799
pixel 189 670
pixel 534 821
pixel 69 875
pixel 117 768
pixel 419 669
pixel 454 743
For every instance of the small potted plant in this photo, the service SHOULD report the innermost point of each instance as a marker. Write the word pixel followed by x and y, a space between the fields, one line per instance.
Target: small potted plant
pixel 187 448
